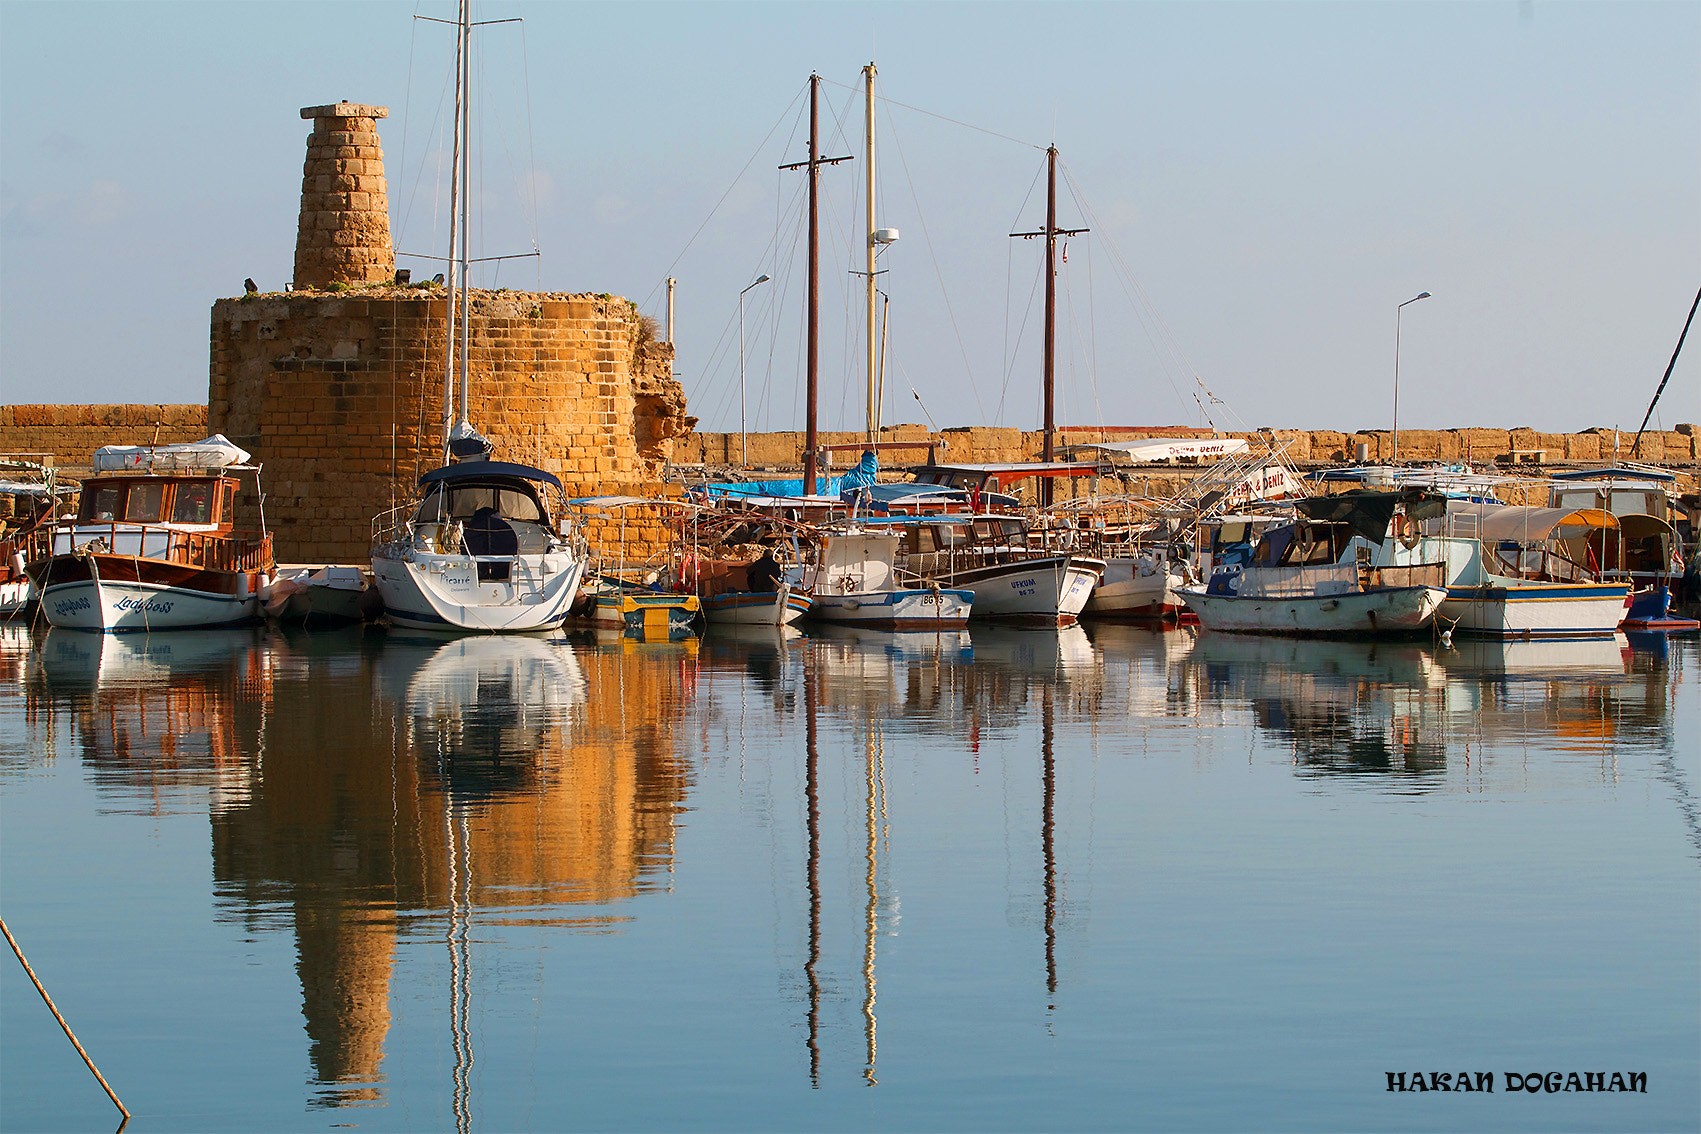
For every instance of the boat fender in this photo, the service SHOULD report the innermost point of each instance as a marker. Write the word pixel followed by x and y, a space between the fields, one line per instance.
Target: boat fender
pixel 17 563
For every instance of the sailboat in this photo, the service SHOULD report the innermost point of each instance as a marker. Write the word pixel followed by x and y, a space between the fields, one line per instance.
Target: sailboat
pixel 480 549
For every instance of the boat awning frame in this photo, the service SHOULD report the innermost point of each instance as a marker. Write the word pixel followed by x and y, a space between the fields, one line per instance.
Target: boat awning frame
pixel 476 470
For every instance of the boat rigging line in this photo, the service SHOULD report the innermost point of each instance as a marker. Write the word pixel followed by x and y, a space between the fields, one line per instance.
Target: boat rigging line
pixel 1636 449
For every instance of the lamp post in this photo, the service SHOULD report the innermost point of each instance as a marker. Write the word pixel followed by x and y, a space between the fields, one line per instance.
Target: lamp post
pixel 743 426
pixel 1397 310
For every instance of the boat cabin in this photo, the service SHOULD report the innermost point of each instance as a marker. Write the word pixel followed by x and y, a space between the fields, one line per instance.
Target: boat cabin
pixel 985 483
pixel 204 500
pixel 486 509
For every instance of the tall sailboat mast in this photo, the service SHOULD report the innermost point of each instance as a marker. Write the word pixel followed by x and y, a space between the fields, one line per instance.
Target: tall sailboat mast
pixel 873 361
pixel 450 311
pixel 1049 366
pixel 814 164
pixel 464 82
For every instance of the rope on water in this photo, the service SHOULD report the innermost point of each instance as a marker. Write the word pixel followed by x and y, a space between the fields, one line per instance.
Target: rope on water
pixel 48 1000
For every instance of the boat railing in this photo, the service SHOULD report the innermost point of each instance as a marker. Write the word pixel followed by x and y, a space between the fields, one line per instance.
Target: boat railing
pixel 208 550
pixel 1412 575
pixel 1536 564
pixel 391 526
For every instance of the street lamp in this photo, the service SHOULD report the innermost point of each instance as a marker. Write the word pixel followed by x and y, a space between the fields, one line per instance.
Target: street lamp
pixel 1397 310
pixel 743 426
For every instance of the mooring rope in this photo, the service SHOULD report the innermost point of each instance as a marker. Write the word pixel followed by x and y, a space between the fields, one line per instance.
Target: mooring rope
pixel 48 1000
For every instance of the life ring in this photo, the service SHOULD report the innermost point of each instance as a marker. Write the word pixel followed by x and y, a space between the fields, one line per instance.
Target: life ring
pixel 1407 531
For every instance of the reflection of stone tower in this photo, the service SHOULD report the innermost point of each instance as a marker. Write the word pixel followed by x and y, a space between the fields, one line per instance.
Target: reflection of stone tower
pixel 344 234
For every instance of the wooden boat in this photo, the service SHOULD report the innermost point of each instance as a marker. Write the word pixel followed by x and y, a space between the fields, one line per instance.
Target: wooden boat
pixel 153 545
pixel 1647 554
pixel 479 551
pixel 855 584
pixel 757 608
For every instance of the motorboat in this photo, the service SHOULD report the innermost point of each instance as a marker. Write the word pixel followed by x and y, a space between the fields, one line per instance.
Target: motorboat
pixel 29 494
pixel 1015 574
pixel 855 583
pixel 1306 578
pixel 153 544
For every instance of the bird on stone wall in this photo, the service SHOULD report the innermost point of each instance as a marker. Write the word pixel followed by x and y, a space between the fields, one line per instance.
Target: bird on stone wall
pixel 250 287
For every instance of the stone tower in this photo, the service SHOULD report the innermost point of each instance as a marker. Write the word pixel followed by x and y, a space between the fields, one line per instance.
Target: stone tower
pixel 344 234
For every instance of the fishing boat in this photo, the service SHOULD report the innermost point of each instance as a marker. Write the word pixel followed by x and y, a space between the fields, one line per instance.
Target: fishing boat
pixel 480 550
pixel 1305 579
pixel 854 583
pixel 1012 571
pixel 779 607
pixel 1514 571
pixel 153 545
pixel 1647 555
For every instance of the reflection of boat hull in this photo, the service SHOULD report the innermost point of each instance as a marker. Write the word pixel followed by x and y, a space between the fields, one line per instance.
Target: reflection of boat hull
pixel 896 610
pixel 757 608
pixel 1052 590
pixel 1392 610
pixel 445 591
pixel 1534 610
pixel 129 593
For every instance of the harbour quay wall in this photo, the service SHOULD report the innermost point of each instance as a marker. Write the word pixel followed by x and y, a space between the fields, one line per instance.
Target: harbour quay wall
pixel 339 394
pixel 979 444
pixel 69 435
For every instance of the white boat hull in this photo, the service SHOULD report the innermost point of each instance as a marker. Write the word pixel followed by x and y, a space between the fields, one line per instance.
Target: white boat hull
pixel 1396 610
pixel 128 605
pixel 757 608
pixel 896 610
pixel 1136 588
pixel 1537 610
pixel 443 592
pixel 1053 591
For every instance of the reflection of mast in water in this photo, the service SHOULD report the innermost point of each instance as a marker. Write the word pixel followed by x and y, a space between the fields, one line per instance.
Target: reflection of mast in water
pixel 876 760
pixel 458 844
pixel 810 790
pixel 1047 845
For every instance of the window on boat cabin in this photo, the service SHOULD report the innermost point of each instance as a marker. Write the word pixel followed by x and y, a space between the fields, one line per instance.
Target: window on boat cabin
pixel 1230 534
pixel 145 502
pixel 1634 503
pixel 1013 531
pixel 984 531
pixel 227 498
pixel 920 540
pixel 466 499
pixel 1577 500
pixel 192 503
pixel 102 503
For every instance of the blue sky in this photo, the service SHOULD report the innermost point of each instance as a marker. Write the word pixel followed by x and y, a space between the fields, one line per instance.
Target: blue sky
pixel 1265 182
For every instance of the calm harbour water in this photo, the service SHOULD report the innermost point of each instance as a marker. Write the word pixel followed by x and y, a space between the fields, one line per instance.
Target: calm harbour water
pixel 1104 878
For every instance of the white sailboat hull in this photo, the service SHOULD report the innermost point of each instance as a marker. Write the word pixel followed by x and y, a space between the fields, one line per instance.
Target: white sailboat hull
pixel 443 592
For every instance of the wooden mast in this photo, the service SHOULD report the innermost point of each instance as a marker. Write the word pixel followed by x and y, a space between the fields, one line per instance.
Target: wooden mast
pixel 814 164
pixel 1049 367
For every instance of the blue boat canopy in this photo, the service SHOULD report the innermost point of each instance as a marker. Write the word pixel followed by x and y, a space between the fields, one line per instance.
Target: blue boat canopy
pixel 481 470
pixel 863 474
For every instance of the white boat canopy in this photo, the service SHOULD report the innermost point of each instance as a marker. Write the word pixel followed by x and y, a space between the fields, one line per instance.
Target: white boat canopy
pixel 216 452
pixel 1496 522
pixel 1151 452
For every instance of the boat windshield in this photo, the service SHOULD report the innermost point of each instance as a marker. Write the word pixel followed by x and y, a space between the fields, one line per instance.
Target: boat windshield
pixel 461 501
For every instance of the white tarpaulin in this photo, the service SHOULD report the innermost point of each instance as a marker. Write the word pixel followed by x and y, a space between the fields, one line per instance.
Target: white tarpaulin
pixel 216 452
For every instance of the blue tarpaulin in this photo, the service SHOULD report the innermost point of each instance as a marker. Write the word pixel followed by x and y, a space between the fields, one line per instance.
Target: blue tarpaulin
pixel 862 475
